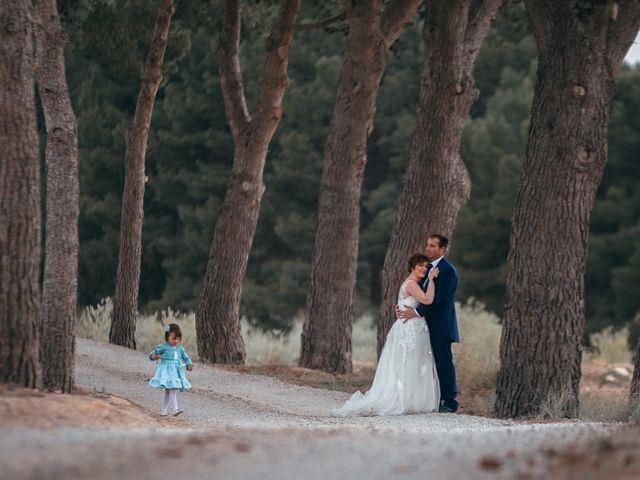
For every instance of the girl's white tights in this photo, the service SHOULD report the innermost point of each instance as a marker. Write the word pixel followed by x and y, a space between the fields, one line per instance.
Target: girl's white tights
pixel 170 400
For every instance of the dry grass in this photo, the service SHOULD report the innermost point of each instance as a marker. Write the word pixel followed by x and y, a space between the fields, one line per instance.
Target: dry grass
pixel 479 329
pixel 555 405
pixel 263 347
pixel 477 358
pixel 94 323
pixel 610 345
pixel 605 405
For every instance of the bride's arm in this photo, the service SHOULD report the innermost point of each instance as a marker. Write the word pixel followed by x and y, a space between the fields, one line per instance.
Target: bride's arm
pixel 416 292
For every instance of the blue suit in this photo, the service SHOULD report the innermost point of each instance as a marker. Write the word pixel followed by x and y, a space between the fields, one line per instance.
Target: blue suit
pixel 443 329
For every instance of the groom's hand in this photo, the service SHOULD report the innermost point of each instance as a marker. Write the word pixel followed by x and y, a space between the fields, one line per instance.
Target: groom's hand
pixel 433 274
pixel 404 314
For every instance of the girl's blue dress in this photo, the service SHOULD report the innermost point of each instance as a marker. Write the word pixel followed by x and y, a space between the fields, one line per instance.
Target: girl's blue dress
pixel 170 373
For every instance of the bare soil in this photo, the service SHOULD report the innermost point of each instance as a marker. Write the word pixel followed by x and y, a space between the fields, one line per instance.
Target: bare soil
pixel 614 457
pixel 42 410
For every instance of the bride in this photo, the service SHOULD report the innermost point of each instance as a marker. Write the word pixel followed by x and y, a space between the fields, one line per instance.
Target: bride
pixel 406 380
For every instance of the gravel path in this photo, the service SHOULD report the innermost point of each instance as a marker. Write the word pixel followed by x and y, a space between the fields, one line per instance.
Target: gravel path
pixel 239 426
pixel 221 398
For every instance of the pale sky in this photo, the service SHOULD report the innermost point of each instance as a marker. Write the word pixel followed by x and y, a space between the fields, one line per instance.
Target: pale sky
pixel 633 56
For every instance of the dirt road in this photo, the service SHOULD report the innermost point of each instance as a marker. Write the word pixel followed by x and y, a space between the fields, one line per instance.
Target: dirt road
pixel 239 426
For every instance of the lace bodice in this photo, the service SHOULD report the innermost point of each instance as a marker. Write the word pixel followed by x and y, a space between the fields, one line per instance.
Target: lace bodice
pixel 405 300
pixel 412 329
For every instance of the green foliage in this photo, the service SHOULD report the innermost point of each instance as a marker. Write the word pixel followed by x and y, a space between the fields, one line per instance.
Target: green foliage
pixel 190 155
pixel 492 147
pixel 613 267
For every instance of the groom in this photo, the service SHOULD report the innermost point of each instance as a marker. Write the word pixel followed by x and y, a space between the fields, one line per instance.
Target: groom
pixel 441 319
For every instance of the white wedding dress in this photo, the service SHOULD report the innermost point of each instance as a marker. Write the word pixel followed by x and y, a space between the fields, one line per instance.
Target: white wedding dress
pixel 406 380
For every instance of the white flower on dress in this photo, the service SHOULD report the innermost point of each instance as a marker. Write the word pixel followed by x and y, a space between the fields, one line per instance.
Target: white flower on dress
pixel 409 333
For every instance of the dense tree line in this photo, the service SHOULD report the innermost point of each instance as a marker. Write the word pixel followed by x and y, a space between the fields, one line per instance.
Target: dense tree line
pixel 190 155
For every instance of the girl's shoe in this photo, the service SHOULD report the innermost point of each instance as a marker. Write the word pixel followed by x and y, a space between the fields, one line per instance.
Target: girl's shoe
pixel 164 414
pixel 177 412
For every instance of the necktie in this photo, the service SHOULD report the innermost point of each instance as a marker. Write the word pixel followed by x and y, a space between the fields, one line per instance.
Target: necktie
pixel 425 281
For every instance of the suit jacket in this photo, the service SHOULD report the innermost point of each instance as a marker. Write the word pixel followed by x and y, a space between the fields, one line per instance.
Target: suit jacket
pixel 441 314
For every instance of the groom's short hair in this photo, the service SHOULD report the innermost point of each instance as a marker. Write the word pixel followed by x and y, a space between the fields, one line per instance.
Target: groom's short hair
pixel 442 240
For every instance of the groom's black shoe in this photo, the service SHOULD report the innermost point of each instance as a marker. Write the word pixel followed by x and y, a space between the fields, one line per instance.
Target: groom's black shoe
pixel 445 409
pixel 448 408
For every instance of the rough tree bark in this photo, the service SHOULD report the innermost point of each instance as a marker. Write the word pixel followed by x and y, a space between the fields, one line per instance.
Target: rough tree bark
pixel 326 336
pixel 59 296
pixel 581 45
pixel 218 313
pixel 634 391
pixel 19 201
pixel 125 300
pixel 436 183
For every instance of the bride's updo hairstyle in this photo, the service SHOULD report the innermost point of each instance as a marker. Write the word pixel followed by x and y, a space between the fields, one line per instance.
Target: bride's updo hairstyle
pixel 416 259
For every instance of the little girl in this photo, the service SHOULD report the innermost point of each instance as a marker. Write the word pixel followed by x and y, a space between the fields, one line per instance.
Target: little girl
pixel 169 373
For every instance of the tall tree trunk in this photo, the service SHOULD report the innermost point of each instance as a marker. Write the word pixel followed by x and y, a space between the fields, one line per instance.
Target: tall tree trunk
pixel 581 46
pixel 436 183
pixel 59 298
pixel 218 312
pixel 634 391
pixel 326 336
pixel 19 201
pixel 125 300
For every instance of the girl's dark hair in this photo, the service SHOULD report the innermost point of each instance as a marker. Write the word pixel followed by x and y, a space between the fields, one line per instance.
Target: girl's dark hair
pixel 173 328
pixel 416 259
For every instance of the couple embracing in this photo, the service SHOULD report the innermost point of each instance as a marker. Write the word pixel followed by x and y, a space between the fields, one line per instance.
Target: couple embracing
pixel 415 372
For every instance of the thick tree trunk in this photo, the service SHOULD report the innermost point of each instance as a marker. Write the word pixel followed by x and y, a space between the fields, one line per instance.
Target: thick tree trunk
pixel 218 312
pixel 19 201
pixel 436 184
pixel 634 391
pixel 580 48
pixel 326 336
pixel 125 300
pixel 57 347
